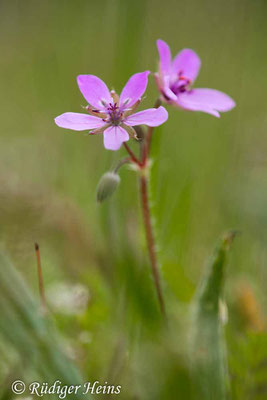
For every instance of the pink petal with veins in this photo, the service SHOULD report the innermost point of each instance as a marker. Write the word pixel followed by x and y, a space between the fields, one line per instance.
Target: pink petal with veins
pixel 94 90
pixel 213 98
pixel 210 101
pixel 114 136
pixel 150 117
pixel 134 89
pixel 78 122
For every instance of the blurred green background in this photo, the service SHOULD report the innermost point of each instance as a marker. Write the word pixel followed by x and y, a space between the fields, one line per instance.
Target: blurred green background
pixel 208 175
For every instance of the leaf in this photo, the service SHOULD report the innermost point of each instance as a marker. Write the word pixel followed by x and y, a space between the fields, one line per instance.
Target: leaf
pixel 208 355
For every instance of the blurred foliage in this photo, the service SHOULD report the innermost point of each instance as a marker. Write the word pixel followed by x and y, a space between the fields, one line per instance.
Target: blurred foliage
pixel 208 349
pixel 208 175
pixel 38 352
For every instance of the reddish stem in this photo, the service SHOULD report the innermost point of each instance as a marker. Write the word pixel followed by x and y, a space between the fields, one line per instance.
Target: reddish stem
pixel 147 144
pixel 146 210
pixel 151 241
pixel 133 157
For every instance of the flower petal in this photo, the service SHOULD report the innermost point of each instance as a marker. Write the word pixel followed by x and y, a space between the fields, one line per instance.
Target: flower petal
pixel 94 90
pixel 78 122
pixel 214 99
pixel 150 117
pixel 168 94
pixel 114 136
pixel 186 102
pixel 134 89
pixel 187 63
pixel 165 56
pixel 163 86
pixel 206 100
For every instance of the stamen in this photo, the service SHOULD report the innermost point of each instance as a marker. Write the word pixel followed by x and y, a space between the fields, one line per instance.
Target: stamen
pixel 181 85
pixel 188 81
pixel 114 96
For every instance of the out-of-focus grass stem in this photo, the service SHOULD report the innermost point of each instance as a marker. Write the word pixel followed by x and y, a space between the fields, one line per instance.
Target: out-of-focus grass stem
pixel 40 279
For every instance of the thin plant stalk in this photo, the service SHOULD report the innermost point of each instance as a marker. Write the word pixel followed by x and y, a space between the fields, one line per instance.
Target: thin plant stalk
pixel 143 168
pixel 133 157
pixel 150 240
pixel 147 144
pixel 121 163
pixel 40 279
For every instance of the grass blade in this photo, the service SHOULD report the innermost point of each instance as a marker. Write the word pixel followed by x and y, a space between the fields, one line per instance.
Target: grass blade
pixel 208 355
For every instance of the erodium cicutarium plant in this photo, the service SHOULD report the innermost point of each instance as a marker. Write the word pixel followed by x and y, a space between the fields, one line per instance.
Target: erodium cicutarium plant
pixel 116 117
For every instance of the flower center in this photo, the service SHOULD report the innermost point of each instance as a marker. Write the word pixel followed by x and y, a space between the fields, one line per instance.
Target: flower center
pixel 114 114
pixel 181 84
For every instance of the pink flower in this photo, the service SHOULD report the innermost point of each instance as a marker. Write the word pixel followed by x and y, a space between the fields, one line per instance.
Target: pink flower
pixel 175 78
pixel 110 114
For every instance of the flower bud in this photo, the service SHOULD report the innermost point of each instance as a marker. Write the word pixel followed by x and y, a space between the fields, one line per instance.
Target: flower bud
pixel 107 186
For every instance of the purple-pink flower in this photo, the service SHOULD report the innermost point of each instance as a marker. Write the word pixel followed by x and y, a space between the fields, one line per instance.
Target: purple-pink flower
pixel 111 114
pixel 175 78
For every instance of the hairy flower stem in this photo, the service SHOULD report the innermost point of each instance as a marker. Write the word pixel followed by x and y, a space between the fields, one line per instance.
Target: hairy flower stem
pixel 142 165
pixel 151 241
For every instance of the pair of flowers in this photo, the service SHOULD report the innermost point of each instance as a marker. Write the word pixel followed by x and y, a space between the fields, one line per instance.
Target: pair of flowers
pixel 114 115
